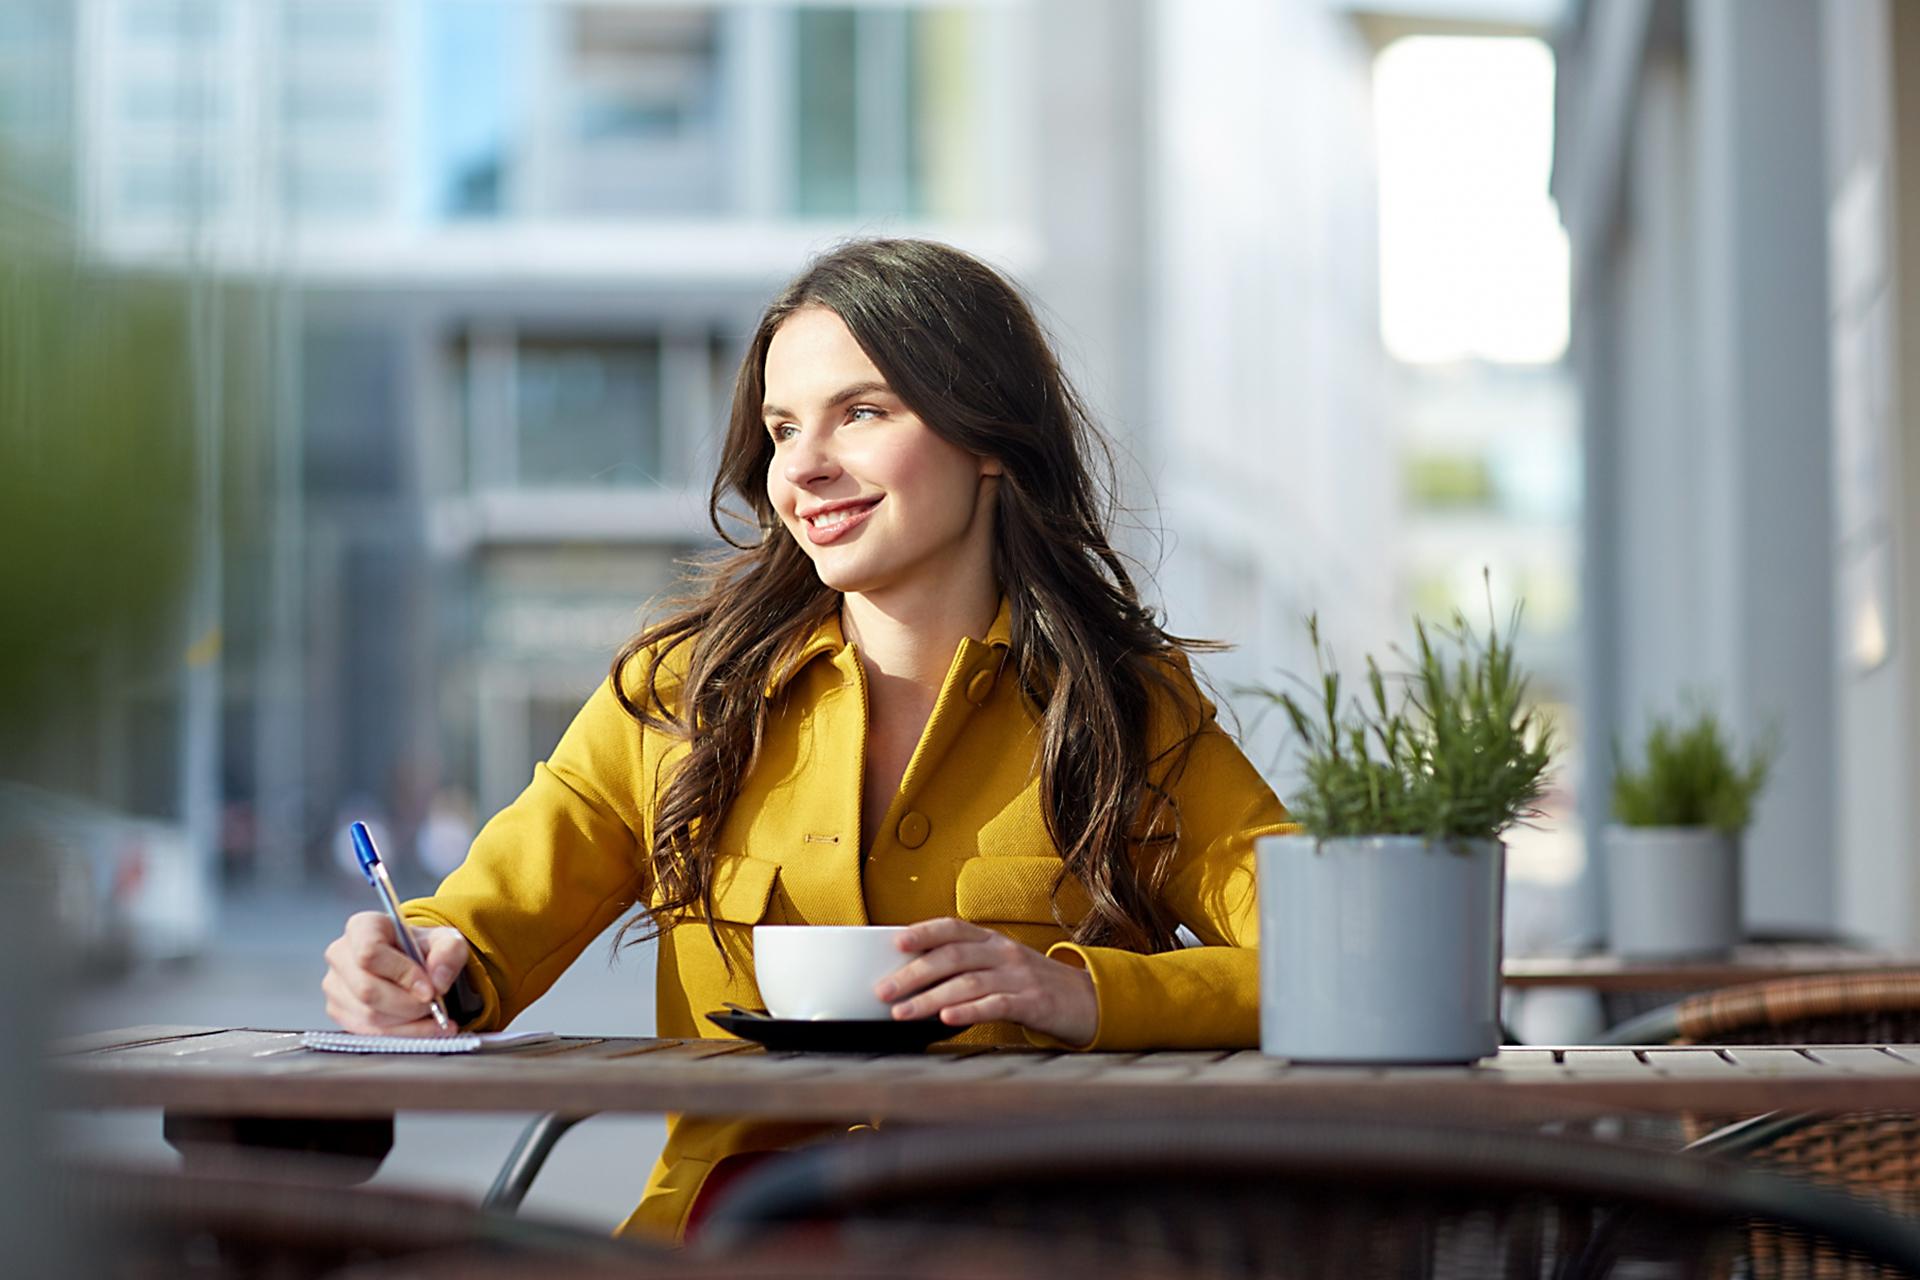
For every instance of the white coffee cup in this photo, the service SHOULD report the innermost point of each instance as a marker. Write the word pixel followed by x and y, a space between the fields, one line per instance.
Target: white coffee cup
pixel 826 973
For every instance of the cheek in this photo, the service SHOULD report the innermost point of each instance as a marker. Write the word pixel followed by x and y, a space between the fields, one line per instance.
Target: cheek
pixel 931 473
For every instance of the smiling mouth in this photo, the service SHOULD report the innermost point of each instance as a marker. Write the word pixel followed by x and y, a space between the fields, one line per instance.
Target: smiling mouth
pixel 828 526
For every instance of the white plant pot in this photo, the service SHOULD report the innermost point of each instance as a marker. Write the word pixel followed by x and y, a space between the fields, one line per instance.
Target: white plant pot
pixel 1672 891
pixel 1382 949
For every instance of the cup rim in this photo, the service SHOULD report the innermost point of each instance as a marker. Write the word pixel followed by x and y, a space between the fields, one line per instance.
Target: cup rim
pixel 831 928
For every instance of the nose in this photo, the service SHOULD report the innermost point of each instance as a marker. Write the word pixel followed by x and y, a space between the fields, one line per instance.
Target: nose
pixel 809 461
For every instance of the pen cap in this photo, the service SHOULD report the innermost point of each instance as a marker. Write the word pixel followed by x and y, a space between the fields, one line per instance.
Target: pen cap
pixel 363 849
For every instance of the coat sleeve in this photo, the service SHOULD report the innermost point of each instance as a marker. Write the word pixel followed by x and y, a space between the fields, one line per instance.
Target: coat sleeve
pixel 1204 997
pixel 553 869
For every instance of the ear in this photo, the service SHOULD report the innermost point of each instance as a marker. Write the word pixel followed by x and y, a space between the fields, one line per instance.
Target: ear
pixel 991 466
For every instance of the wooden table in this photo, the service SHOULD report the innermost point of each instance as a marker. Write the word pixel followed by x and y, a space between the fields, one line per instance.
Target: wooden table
pixel 1611 974
pixel 198 1072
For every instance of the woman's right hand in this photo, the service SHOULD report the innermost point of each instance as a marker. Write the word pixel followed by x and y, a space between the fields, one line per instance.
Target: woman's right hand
pixel 371 986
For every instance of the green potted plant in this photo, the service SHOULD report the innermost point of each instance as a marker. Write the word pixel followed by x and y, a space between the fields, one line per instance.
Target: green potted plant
pixel 1673 850
pixel 1381 922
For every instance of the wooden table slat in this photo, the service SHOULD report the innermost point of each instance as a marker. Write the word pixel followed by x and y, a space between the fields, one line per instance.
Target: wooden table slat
pixel 226 1072
pixel 1861 1059
pixel 1690 1062
pixel 1775 1060
pixel 1750 963
pixel 125 1037
pixel 1610 1061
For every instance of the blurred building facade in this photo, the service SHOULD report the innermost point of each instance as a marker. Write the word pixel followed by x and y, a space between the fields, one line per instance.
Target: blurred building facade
pixel 1728 174
pixel 494 262
pixel 511 250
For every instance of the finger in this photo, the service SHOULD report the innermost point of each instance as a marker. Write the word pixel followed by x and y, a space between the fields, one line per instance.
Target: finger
pixel 446 953
pixel 966 987
pixel 996 1006
pixel 361 1023
pixel 385 996
pixel 370 937
pixel 364 926
pixel 941 962
pixel 381 958
pixel 928 934
pixel 347 1006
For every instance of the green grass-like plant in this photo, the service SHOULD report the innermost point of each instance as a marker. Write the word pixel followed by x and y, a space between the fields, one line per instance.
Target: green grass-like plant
pixel 1459 756
pixel 1688 777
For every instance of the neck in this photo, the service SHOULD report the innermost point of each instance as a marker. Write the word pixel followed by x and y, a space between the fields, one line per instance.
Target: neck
pixel 912 636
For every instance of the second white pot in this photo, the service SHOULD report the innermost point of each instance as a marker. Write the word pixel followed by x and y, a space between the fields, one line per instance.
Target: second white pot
pixel 1672 891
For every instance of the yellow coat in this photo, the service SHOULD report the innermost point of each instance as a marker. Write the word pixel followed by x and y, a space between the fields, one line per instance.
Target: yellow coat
pixel 964 837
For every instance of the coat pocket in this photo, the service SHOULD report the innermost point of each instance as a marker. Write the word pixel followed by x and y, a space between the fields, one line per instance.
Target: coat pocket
pixel 1018 891
pixel 742 890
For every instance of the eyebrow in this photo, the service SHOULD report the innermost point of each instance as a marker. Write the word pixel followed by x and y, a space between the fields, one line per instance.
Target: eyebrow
pixel 841 397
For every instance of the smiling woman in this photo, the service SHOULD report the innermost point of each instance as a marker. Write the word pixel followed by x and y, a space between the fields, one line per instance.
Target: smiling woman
pixel 920 691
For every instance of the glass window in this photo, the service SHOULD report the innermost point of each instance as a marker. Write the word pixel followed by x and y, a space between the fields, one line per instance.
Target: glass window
pixel 474 103
pixel 308 103
pixel 826 151
pixel 588 412
pixel 181 187
pixel 332 21
pixel 183 102
pixel 331 192
pixel 639 123
pixel 885 112
pixel 181 20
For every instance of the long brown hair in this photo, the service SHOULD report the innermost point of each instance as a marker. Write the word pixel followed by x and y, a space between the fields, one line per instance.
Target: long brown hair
pixel 957 342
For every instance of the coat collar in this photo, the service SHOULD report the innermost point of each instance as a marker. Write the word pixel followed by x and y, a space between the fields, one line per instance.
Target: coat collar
pixel 828 637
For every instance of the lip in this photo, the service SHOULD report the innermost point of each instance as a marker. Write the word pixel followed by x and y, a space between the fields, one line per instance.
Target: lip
pixel 821 537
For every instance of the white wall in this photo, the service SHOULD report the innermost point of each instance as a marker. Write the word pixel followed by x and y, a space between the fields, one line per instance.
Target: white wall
pixel 1269 445
pixel 1874 228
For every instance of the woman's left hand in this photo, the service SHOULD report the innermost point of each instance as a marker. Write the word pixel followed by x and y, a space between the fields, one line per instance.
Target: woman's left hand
pixel 967 974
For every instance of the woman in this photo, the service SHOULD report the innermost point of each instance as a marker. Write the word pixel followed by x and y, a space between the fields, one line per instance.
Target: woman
pixel 924 693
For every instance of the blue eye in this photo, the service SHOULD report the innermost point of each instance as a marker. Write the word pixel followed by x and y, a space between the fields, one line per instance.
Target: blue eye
pixel 866 408
pixel 779 433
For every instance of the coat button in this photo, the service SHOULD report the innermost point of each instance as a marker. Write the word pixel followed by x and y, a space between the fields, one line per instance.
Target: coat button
pixel 914 830
pixel 979 687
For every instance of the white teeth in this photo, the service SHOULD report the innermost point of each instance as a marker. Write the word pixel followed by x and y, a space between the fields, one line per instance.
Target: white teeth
pixel 839 517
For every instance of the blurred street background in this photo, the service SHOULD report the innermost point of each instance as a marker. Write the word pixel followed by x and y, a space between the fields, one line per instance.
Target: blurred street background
pixel 362 365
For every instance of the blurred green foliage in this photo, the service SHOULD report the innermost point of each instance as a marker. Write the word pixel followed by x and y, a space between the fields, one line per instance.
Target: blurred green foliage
pixel 97 462
pixel 1688 777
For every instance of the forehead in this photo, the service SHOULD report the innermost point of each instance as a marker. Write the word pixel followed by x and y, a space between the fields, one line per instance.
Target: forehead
pixel 813 355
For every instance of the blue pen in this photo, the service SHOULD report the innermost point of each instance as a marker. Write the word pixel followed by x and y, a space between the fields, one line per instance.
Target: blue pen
pixel 376 874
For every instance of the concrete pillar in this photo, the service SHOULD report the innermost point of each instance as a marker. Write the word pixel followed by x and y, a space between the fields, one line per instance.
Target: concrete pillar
pixel 1872 112
pixel 1759 246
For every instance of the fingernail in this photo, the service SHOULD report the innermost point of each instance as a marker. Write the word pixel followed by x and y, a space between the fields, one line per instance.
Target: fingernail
pixel 903 1010
pixel 422 990
pixel 442 975
pixel 884 991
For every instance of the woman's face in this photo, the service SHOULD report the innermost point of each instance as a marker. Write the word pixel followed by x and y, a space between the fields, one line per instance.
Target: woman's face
pixel 875 498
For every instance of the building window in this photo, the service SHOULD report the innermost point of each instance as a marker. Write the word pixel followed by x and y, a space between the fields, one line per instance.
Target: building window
pixel 887 105
pixel 559 411
pixel 588 413
pixel 475 100
pixel 640 123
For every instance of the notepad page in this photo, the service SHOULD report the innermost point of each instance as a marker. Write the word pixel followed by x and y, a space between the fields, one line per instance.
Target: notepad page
pixel 466 1042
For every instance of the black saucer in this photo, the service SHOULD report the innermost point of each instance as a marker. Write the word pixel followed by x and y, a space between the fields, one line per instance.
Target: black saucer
pixel 795 1035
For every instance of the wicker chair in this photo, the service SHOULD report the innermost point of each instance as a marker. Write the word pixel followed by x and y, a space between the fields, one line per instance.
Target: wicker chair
pixel 1294 1199
pixel 1873 1153
pixel 269 1216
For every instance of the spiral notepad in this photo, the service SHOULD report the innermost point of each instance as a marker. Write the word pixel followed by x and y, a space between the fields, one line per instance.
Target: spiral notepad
pixel 468 1042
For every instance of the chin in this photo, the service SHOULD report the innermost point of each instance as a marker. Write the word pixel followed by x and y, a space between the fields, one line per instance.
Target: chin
pixel 843 578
